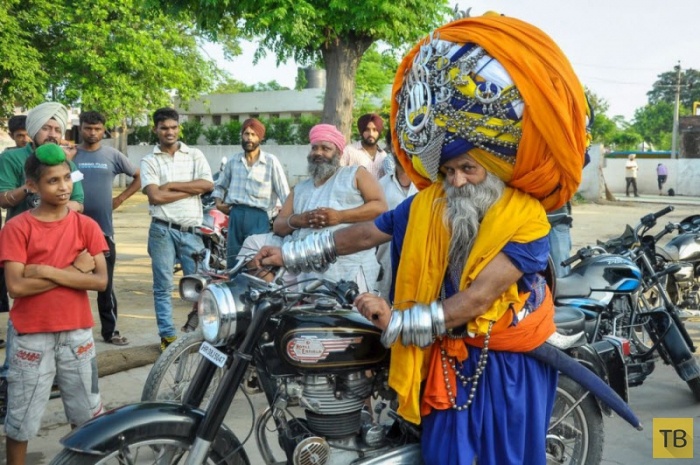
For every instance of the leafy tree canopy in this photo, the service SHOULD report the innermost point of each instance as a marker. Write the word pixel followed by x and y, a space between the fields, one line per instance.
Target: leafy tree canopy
pixel 336 33
pixel 113 57
pixel 664 89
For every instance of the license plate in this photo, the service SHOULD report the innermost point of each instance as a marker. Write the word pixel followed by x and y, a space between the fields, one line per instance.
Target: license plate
pixel 213 354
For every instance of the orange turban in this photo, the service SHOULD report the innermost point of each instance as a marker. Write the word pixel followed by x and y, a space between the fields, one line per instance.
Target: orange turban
pixel 502 91
pixel 256 125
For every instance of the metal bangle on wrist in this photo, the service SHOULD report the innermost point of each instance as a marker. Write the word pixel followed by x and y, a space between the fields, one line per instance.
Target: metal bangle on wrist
pixel 316 252
pixel 420 325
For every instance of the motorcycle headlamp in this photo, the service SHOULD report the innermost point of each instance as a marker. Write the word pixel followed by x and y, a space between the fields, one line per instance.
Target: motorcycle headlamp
pixel 191 286
pixel 222 312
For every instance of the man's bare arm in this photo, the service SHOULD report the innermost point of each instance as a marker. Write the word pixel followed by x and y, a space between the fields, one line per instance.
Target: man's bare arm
pixel 196 187
pixel 157 196
pixel 133 188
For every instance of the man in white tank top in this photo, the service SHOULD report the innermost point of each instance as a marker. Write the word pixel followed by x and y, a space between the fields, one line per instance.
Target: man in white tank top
pixel 332 197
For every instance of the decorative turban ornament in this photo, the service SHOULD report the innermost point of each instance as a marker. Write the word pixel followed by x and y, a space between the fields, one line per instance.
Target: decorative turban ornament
pixel 501 90
pixel 327 133
pixel 50 154
pixel 255 125
pixel 40 114
pixel 364 120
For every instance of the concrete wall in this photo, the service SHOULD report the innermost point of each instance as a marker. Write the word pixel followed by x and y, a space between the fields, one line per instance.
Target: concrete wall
pixel 292 157
pixel 683 174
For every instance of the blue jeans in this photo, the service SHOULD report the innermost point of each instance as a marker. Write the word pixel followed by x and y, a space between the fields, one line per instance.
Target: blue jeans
pixel 244 221
pixel 560 247
pixel 165 245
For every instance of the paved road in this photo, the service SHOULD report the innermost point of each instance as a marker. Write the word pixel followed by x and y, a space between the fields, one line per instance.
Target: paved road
pixel 662 395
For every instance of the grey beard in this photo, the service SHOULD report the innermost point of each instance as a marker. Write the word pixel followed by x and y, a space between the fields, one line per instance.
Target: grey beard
pixel 466 207
pixel 320 172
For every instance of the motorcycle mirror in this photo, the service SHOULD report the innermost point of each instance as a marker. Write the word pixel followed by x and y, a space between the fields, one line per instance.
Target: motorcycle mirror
pixel 224 160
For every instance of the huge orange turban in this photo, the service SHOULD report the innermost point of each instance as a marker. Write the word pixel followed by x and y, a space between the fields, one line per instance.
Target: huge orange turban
pixel 501 90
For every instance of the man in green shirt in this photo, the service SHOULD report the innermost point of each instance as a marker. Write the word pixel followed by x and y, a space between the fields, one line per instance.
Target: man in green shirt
pixel 46 124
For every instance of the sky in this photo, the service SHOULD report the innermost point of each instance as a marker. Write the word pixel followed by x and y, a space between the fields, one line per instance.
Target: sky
pixel 617 47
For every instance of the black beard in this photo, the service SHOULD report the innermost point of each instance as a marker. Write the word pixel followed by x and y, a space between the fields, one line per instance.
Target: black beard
pixel 255 145
pixel 369 142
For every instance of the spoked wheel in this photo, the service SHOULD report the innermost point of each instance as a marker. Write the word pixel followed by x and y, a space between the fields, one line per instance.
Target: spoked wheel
pixel 575 434
pixel 170 376
pixel 154 451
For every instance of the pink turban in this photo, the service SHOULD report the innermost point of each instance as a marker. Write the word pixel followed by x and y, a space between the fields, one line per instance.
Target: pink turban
pixel 255 125
pixel 327 133
pixel 364 120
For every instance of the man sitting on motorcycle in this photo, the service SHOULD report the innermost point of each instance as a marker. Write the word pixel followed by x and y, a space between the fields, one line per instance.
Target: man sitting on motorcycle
pixel 492 139
pixel 332 197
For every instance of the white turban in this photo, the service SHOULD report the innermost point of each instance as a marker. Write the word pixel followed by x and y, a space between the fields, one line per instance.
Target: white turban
pixel 40 114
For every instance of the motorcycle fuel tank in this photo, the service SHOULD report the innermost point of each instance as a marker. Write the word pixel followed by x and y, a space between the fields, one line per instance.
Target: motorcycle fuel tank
pixel 322 342
pixel 684 248
pixel 600 273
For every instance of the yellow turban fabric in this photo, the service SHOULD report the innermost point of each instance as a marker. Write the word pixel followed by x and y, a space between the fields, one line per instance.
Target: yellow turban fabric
pixel 501 90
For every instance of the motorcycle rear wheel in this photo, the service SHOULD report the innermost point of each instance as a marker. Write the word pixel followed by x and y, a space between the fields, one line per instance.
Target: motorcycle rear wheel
pixel 575 435
pixel 172 372
pixel 148 451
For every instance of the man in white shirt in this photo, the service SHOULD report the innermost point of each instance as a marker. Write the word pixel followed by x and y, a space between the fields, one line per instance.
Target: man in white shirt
pixel 366 151
pixel 173 177
pixel 631 174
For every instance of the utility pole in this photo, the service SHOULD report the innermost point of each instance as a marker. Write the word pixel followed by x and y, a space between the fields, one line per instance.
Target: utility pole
pixel 676 109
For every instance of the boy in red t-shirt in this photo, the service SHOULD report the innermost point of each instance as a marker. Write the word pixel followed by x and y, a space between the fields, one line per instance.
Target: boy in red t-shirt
pixel 52 257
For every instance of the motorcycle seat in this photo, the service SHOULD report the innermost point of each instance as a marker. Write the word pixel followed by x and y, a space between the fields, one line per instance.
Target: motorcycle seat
pixel 572 286
pixel 569 320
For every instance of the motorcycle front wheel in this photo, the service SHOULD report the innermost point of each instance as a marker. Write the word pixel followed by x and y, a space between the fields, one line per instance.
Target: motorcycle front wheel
pixel 575 434
pixel 172 372
pixel 149 451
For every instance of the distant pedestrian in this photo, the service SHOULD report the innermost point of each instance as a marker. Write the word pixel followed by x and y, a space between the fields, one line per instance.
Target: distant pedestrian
pixel 100 164
pixel 173 177
pixel 631 174
pixel 366 152
pixel 661 176
pixel 249 189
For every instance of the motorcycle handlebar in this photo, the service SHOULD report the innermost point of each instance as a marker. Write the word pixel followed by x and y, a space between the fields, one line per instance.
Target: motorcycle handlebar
pixel 650 219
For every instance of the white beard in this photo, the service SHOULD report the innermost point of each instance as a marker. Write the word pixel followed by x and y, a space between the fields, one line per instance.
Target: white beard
pixel 466 207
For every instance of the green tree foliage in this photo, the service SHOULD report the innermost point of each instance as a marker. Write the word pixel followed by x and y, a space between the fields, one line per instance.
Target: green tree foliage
pixel 190 131
pixel 375 75
pixel 23 80
pixel 113 57
pixel 664 89
pixel 212 134
pixel 231 133
pixel 335 33
pixel 654 122
pixel 142 135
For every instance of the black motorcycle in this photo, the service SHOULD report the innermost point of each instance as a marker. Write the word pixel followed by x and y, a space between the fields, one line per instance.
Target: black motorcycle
pixel 311 349
pixel 611 284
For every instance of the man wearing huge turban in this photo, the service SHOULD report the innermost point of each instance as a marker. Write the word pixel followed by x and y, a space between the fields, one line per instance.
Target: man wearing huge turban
pixel 366 152
pixel 490 123
pixel 250 188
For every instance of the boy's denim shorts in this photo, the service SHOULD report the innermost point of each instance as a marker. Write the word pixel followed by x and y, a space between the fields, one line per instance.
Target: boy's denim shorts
pixel 35 360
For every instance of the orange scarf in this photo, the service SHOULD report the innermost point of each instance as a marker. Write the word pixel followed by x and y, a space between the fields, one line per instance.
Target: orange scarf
pixel 515 217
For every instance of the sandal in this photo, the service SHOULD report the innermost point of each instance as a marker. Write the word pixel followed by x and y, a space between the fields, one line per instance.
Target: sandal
pixel 118 340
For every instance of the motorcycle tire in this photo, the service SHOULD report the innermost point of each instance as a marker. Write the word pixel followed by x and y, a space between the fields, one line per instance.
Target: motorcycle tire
pixel 155 445
pixel 172 372
pixel 576 438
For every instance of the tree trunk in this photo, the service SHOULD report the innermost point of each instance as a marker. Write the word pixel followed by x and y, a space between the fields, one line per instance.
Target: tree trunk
pixel 117 360
pixel 341 58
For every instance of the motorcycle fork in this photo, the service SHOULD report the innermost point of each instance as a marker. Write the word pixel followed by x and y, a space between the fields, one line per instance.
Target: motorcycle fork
pixel 230 383
pixel 671 337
